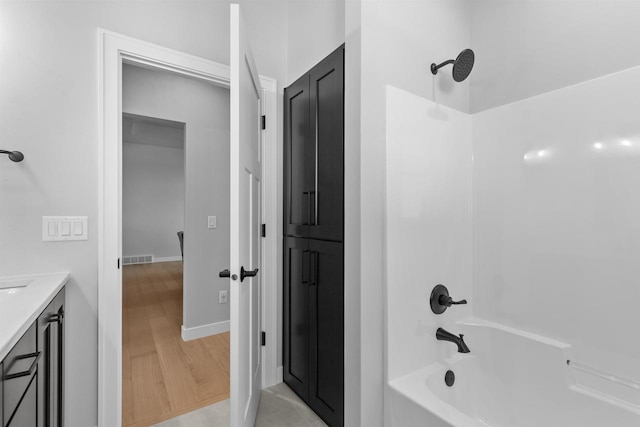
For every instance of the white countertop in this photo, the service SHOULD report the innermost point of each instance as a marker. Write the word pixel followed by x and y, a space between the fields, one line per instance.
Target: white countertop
pixel 20 309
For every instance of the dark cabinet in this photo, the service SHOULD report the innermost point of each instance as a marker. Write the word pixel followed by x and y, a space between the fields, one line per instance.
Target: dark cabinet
pixel 26 414
pixel 313 249
pixel 31 385
pixel 313 152
pixel 314 325
pixel 19 371
pixel 50 366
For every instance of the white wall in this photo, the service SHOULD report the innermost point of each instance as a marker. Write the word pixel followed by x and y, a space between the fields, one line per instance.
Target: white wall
pixel 204 108
pixel 152 200
pixel 528 47
pixel 48 110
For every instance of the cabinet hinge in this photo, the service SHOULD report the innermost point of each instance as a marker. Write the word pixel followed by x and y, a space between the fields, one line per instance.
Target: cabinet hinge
pixel 264 338
pixel 264 230
pixel 264 122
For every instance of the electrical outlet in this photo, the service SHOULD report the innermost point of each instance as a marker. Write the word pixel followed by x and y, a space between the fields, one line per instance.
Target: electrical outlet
pixel 222 297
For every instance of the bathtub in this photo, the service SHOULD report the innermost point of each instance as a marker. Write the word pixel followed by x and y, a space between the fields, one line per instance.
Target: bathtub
pixel 511 378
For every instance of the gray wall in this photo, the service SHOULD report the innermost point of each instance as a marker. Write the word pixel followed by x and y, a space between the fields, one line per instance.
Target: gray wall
pixel 204 108
pixel 152 199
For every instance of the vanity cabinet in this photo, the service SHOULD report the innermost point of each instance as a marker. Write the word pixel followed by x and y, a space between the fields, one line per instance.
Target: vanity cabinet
pixel 31 373
pixel 50 366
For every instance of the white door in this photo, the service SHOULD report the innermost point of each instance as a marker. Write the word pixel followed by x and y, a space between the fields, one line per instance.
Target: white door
pixel 246 201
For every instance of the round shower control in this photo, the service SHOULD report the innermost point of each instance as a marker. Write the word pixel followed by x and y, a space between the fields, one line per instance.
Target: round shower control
pixel 449 378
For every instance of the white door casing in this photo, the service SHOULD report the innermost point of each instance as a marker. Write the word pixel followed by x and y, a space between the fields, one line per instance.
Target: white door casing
pixel 245 244
pixel 114 49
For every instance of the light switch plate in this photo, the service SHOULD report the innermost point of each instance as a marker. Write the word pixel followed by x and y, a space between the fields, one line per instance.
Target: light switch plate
pixel 64 228
pixel 212 222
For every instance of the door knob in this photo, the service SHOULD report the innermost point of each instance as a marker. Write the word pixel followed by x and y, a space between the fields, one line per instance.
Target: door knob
pixel 244 273
pixel 227 273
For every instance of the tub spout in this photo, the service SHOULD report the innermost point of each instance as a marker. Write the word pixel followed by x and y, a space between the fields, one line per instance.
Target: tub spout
pixel 444 335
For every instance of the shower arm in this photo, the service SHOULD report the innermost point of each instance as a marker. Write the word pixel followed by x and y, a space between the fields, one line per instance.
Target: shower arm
pixel 435 68
pixel 14 156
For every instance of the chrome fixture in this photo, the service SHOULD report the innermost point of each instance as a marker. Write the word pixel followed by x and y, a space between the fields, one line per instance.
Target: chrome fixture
pixel 14 156
pixel 444 335
pixel 462 65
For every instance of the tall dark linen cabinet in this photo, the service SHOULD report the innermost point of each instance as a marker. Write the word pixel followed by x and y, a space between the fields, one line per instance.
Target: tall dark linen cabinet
pixel 313 242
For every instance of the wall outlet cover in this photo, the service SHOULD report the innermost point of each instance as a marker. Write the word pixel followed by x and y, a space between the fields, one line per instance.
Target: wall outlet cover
pixel 222 297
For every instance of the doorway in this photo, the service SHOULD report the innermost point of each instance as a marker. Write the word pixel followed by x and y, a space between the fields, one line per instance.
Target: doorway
pixel 116 50
pixel 175 225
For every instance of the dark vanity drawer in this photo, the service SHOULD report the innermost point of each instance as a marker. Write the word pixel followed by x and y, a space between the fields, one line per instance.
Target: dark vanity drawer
pixel 19 367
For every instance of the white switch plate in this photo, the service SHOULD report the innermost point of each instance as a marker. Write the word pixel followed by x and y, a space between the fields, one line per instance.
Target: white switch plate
pixel 212 222
pixel 64 228
pixel 222 297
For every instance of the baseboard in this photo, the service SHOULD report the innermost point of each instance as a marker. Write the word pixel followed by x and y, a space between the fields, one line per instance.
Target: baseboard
pixel 280 374
pixel 194 333
pixel 167 259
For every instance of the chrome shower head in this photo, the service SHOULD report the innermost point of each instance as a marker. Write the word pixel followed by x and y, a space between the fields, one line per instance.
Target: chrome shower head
pixel 14 156
pixel 462 65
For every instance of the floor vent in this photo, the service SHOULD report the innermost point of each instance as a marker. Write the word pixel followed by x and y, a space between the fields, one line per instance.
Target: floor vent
pixel 138 259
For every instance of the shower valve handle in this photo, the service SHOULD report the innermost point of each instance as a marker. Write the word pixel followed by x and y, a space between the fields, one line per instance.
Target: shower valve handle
pixel 448 301
pixel 440 299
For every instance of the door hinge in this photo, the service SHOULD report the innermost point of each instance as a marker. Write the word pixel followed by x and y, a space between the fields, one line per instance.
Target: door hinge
pixel 118 263
pixel 264 122
pixel 264 338
pixel 264 230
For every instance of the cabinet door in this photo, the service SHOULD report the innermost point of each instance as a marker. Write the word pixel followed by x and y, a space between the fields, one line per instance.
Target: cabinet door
pixel 326 327
pixel 26 414
pixel 296 315
pixel 327 133
pixel 297 159
pixel 50 343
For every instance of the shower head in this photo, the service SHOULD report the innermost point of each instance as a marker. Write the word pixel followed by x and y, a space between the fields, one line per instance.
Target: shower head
pixel 14 156
pixel 462 65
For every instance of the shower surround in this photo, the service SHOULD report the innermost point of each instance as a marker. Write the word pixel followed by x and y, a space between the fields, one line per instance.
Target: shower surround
pixel 530 211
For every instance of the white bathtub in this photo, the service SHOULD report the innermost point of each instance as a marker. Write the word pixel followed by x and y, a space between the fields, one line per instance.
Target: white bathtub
pixel 510 379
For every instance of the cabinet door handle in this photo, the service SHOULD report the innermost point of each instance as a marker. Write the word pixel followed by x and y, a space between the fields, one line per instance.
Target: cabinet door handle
pixel 308 194
pixel 36 357
pixel 313 207
pixel 55 318
pixel 314 269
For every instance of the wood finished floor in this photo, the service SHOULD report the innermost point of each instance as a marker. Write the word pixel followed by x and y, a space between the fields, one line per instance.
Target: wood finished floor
pixel 163 376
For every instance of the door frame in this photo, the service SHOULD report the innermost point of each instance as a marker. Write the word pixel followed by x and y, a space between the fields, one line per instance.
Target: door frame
pixel 113 50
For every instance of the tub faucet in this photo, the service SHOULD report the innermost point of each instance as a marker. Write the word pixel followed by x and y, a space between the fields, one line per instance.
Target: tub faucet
pixel 444 335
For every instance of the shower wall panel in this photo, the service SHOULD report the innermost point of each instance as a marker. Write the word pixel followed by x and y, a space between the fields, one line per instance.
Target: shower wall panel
pixel 557 218
pixel 428 225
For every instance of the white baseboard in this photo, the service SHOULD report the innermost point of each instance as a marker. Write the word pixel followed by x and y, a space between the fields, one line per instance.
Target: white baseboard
pixel 189 334
pixel 280 374
pixel 167 259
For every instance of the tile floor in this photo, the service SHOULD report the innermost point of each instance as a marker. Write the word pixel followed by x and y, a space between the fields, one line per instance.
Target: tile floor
pixel 279 407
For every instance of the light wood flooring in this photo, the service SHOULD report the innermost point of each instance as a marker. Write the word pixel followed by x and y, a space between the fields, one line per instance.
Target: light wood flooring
pixel 164 376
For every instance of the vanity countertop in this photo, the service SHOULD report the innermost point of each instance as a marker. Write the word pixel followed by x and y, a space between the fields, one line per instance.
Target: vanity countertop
pixel 22 299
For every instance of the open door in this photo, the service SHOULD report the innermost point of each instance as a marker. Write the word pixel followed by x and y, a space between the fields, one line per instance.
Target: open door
pixel 246 202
